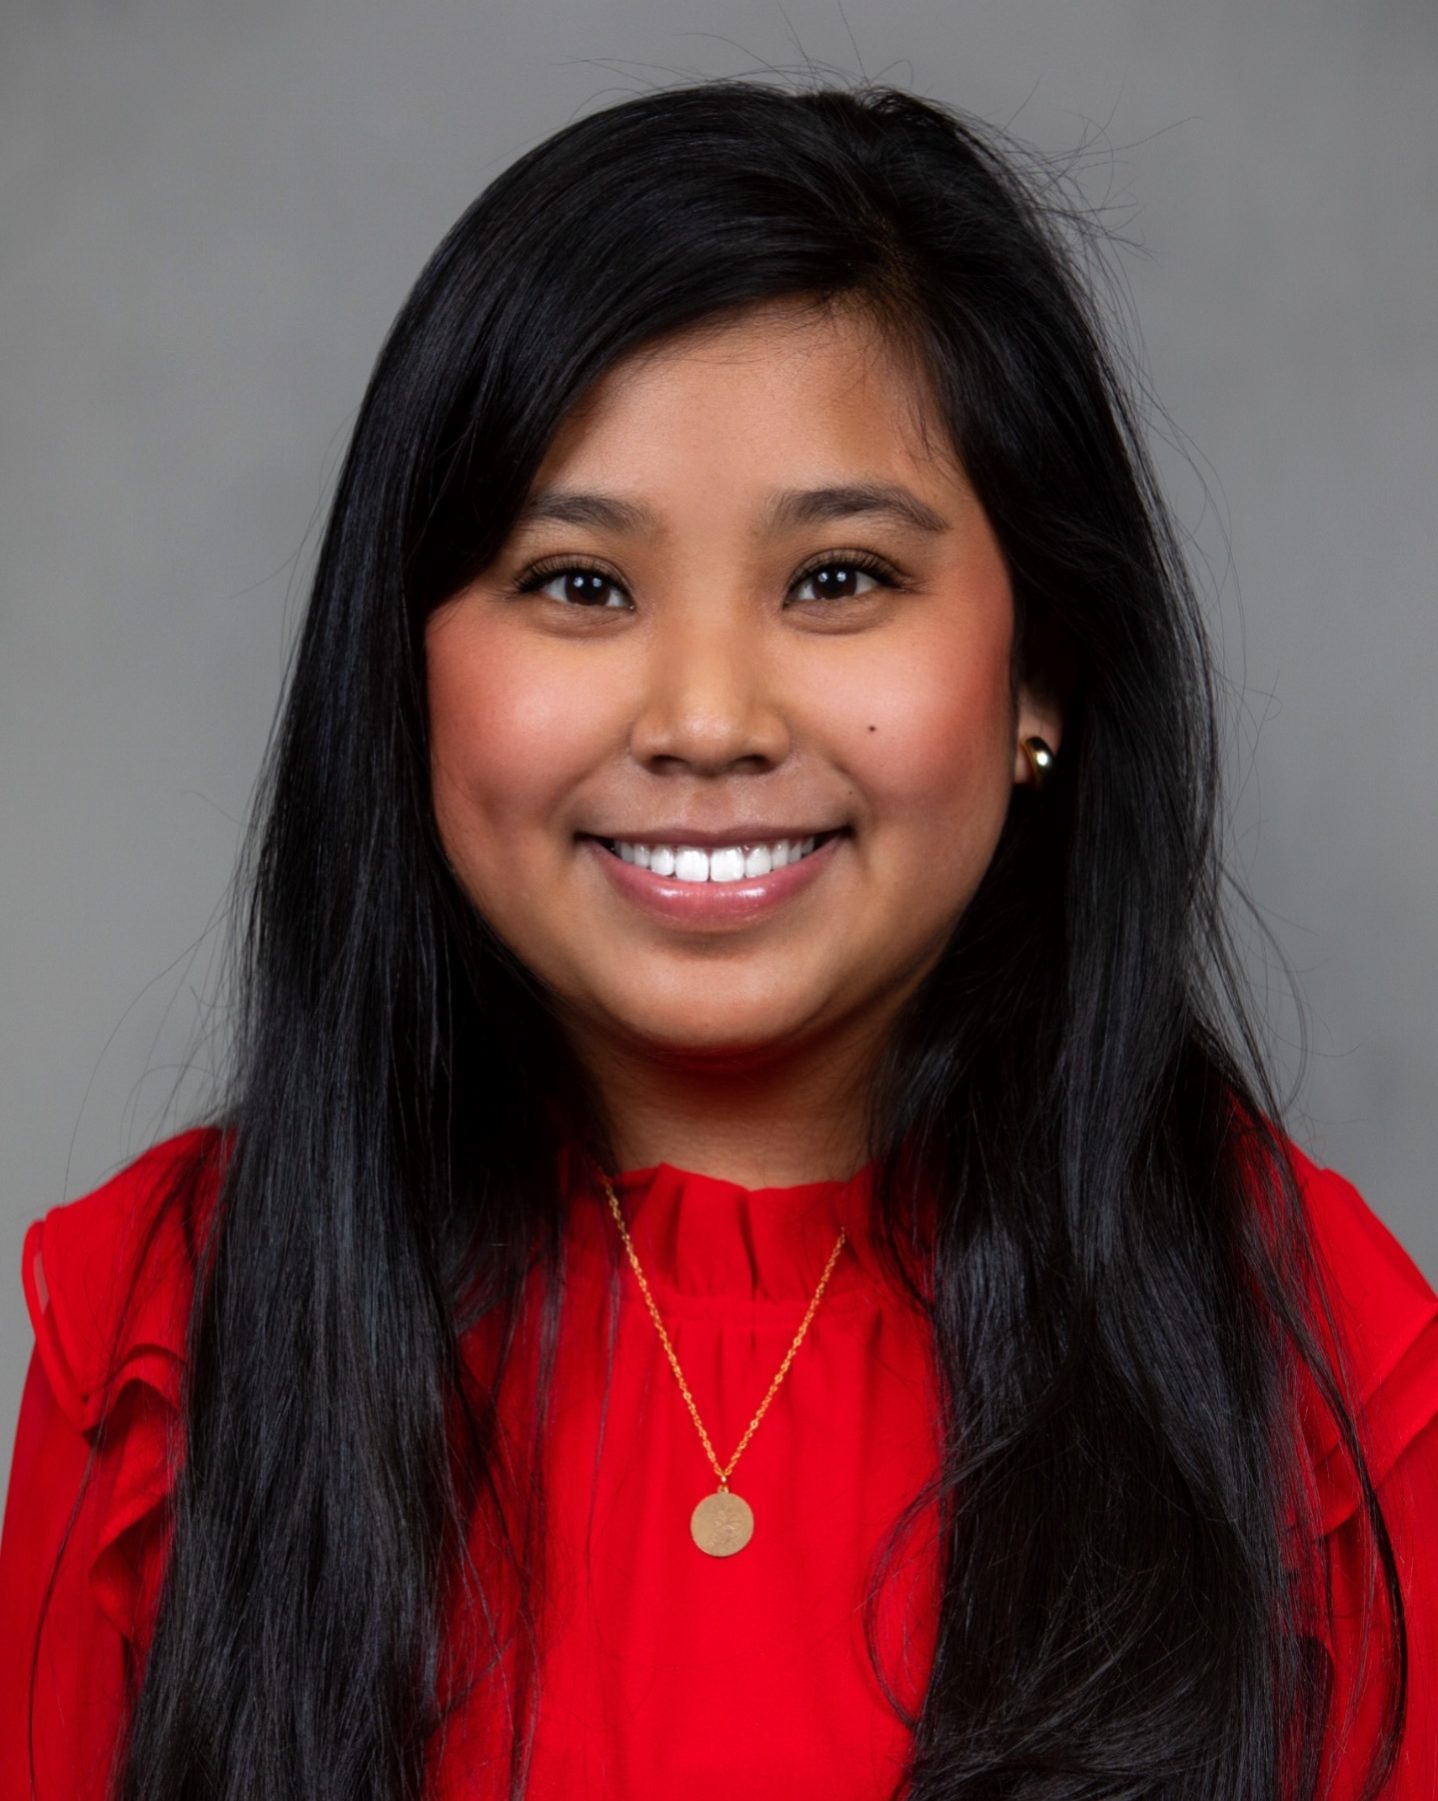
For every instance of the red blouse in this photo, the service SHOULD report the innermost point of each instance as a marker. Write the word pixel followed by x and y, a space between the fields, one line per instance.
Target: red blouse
pixel 667 1671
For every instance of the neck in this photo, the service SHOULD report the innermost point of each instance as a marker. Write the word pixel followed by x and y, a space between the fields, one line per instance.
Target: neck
pixel 764 1122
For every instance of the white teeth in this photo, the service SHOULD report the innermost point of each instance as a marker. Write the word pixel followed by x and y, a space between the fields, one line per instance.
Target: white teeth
pixel 728 863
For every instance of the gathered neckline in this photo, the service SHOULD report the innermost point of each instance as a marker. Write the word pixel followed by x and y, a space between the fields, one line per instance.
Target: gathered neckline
pixel 706 1240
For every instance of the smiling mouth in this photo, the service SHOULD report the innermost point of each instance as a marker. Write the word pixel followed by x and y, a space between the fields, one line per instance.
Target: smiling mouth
pixel 722 863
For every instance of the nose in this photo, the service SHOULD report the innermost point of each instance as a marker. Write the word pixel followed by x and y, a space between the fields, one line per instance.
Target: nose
pixel 709 702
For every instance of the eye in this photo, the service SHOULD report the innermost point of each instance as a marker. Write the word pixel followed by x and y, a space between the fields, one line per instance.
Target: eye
pixel 592 589
pixel 587 589
pixel 833 578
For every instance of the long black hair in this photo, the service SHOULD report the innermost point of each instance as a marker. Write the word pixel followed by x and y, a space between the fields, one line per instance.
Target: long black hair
pixel 1120 1277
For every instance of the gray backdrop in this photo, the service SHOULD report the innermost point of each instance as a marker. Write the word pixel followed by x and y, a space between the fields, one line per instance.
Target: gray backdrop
pixel 211 212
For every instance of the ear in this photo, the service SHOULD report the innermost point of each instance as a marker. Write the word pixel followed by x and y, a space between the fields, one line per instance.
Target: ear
pixel 1044 691
pixel 1040 715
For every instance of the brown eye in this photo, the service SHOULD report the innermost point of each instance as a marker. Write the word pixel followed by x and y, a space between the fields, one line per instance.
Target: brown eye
pixel 583 585
pixel 837 578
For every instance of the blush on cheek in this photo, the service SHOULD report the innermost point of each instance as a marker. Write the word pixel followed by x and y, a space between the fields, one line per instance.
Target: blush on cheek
pixel 512 733
pixel 935 731
pixel 494 715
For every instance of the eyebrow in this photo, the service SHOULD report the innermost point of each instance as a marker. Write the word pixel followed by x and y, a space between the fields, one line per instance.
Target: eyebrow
pixel 788 508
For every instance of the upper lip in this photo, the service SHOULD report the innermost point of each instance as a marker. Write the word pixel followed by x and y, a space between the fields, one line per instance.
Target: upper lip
pixel 687 835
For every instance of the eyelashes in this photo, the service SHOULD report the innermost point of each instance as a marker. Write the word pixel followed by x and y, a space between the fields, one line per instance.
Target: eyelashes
pixel 864 561
pixel 599 579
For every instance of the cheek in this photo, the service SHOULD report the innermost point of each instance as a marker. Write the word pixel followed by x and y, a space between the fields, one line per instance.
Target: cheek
pixel 935 737
pixel 508 738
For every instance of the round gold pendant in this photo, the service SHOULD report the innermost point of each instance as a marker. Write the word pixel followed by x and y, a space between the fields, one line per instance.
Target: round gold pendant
pixel 722 1523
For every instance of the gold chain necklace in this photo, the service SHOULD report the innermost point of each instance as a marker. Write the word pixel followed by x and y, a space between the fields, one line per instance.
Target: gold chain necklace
pixel 723 1522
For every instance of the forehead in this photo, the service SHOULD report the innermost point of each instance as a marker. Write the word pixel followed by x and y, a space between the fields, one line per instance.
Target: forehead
pixel 789 383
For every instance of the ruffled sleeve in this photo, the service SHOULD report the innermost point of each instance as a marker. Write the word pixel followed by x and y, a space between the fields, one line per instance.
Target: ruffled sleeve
pixel 107 1281
pixel 1387 1316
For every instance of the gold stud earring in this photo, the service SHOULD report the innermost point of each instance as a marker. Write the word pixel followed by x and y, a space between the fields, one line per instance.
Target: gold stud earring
pixel 1041 759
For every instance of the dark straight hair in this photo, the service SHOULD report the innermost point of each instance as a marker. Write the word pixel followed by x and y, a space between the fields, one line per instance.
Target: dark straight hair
pixel 1120 1281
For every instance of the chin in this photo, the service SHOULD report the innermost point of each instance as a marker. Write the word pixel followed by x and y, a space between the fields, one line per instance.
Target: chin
pixel 731 1038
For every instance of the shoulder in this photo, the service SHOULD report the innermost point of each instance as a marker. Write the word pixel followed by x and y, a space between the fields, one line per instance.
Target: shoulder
pixel 1373 1272
pixel 1384 1327
pixel 108 1276
pixel 108 1280
pixel 1385 1319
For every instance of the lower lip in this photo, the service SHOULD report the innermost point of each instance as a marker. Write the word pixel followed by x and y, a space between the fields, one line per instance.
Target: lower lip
pixel 713 903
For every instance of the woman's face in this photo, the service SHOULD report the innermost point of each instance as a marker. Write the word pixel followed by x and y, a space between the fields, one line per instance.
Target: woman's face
pixel 748 605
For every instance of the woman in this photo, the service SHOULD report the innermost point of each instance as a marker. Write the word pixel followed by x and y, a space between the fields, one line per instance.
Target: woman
pixel 748 1241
